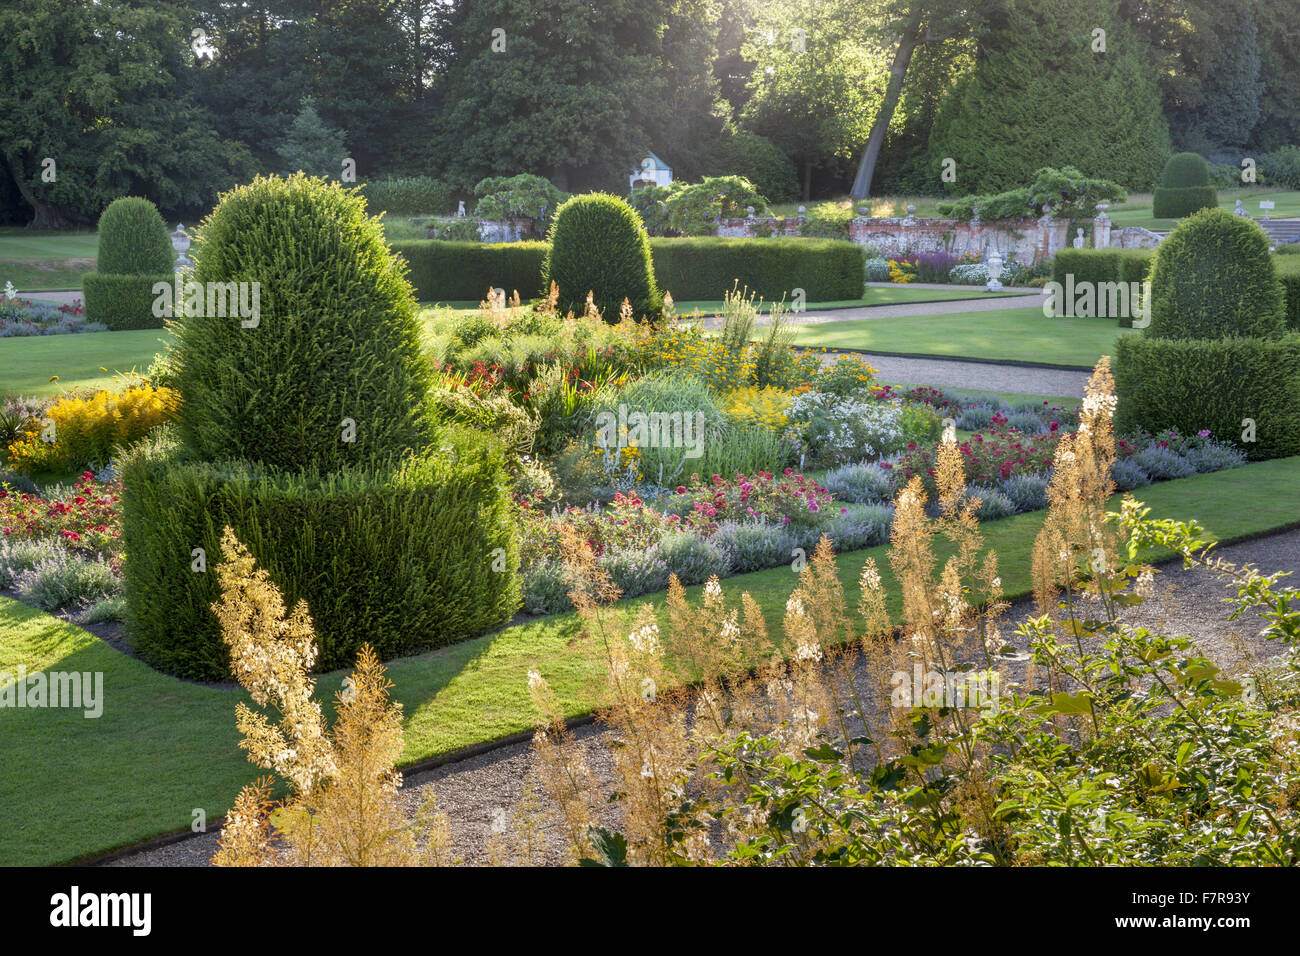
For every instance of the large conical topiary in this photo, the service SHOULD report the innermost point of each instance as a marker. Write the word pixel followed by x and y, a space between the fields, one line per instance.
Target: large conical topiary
pixel 1213 277
pixel 331 372
pixel 599 245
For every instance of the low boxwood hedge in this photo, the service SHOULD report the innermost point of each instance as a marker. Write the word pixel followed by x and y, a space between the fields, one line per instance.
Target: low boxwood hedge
pixel 122 302
pixel 1288 270
pixel 1102 265
pixel 827 270
pixel 1215 384
pixel 457 271
pixel 1175 203
pixel 408 558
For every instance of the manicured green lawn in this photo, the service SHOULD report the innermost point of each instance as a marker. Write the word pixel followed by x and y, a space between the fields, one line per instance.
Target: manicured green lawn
pixel 74 786
pixel 874 295
pixel 45 259
pixel 1137 211
pixel 1015 334
pixel 26 364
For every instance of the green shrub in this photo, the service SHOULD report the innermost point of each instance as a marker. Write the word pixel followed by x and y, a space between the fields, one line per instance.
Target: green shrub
pixel 694 209
pixel 460 271
pixel 826 269
pixel 758 159
pixel 408 196
pixel 702 268
pixel 1170 203
pixel 133 239
pixel 1281 167
pixel 1213 277
pixel 1086 265
pixel 460 229
pixel 503 197
pixel 1013 204
pixel 1212 384
pixel 1184 170
pixel 336 349
pixel 402 558
pixel 650 204
pixel 827 220
pixel 122 301
pixel 1288 273
pixel 599 245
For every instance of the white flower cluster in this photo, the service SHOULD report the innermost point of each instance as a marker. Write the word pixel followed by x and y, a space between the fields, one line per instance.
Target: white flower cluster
pixel 843 429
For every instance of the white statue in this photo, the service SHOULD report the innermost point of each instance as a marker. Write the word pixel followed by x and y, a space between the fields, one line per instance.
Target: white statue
pixel 460 210
pixel 1078 240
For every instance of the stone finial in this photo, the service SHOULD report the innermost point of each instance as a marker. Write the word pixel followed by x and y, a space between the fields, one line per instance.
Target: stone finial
pixel 749 212
pixel 802 210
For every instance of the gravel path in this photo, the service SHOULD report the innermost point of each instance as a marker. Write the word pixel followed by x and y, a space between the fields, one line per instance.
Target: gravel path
pixel 982 376
pixel 60 297
pixel 977 303
pixel 489 787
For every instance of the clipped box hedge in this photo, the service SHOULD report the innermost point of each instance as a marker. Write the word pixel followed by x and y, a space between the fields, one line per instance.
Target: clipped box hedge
pixel 464 271
pixel 1102 265
pixel 1195 384
pixel 122 302
pixel 1171 202
pixel 827 270
pixel 402 558
pixel 1288 270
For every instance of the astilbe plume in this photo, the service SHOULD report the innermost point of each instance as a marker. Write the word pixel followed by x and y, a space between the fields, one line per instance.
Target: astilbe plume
pixel 343 807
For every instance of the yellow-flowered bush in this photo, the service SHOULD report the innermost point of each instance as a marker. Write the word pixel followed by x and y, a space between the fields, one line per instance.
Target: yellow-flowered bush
pixel 901 272
pixel 79 432
pixel 759 406
pixel 688 349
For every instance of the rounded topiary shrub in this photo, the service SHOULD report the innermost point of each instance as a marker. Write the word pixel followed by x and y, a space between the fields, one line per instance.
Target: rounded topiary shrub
pixel 133 239
pixel 1185 169
pixel 599 245
pixel 329 372
pixel 1184 188
pixel 1213 277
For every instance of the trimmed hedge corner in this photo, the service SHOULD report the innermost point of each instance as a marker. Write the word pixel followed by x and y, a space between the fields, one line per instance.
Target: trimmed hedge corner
pixel 1214 384
pixel 1288 273
pixel 403 558
pixel 828 270
pixel 1170 203
pixel 464 271
pixel 701 268
pixel 122 302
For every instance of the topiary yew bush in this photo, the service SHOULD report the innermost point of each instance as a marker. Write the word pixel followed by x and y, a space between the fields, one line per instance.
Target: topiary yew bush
pixel 599 245
pixel 1184 188
pixel 133 239
pixel 1213 277
pixel 336 338
pixel 418 555
pixel 305 429
pixel 1216 356
pixel 134 254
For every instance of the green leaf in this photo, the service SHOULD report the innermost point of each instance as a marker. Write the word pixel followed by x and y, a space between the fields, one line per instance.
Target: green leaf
pixel 823 754
pixel 611 848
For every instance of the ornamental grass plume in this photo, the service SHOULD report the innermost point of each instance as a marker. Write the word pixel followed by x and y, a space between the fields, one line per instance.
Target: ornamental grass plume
pixel 342 808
